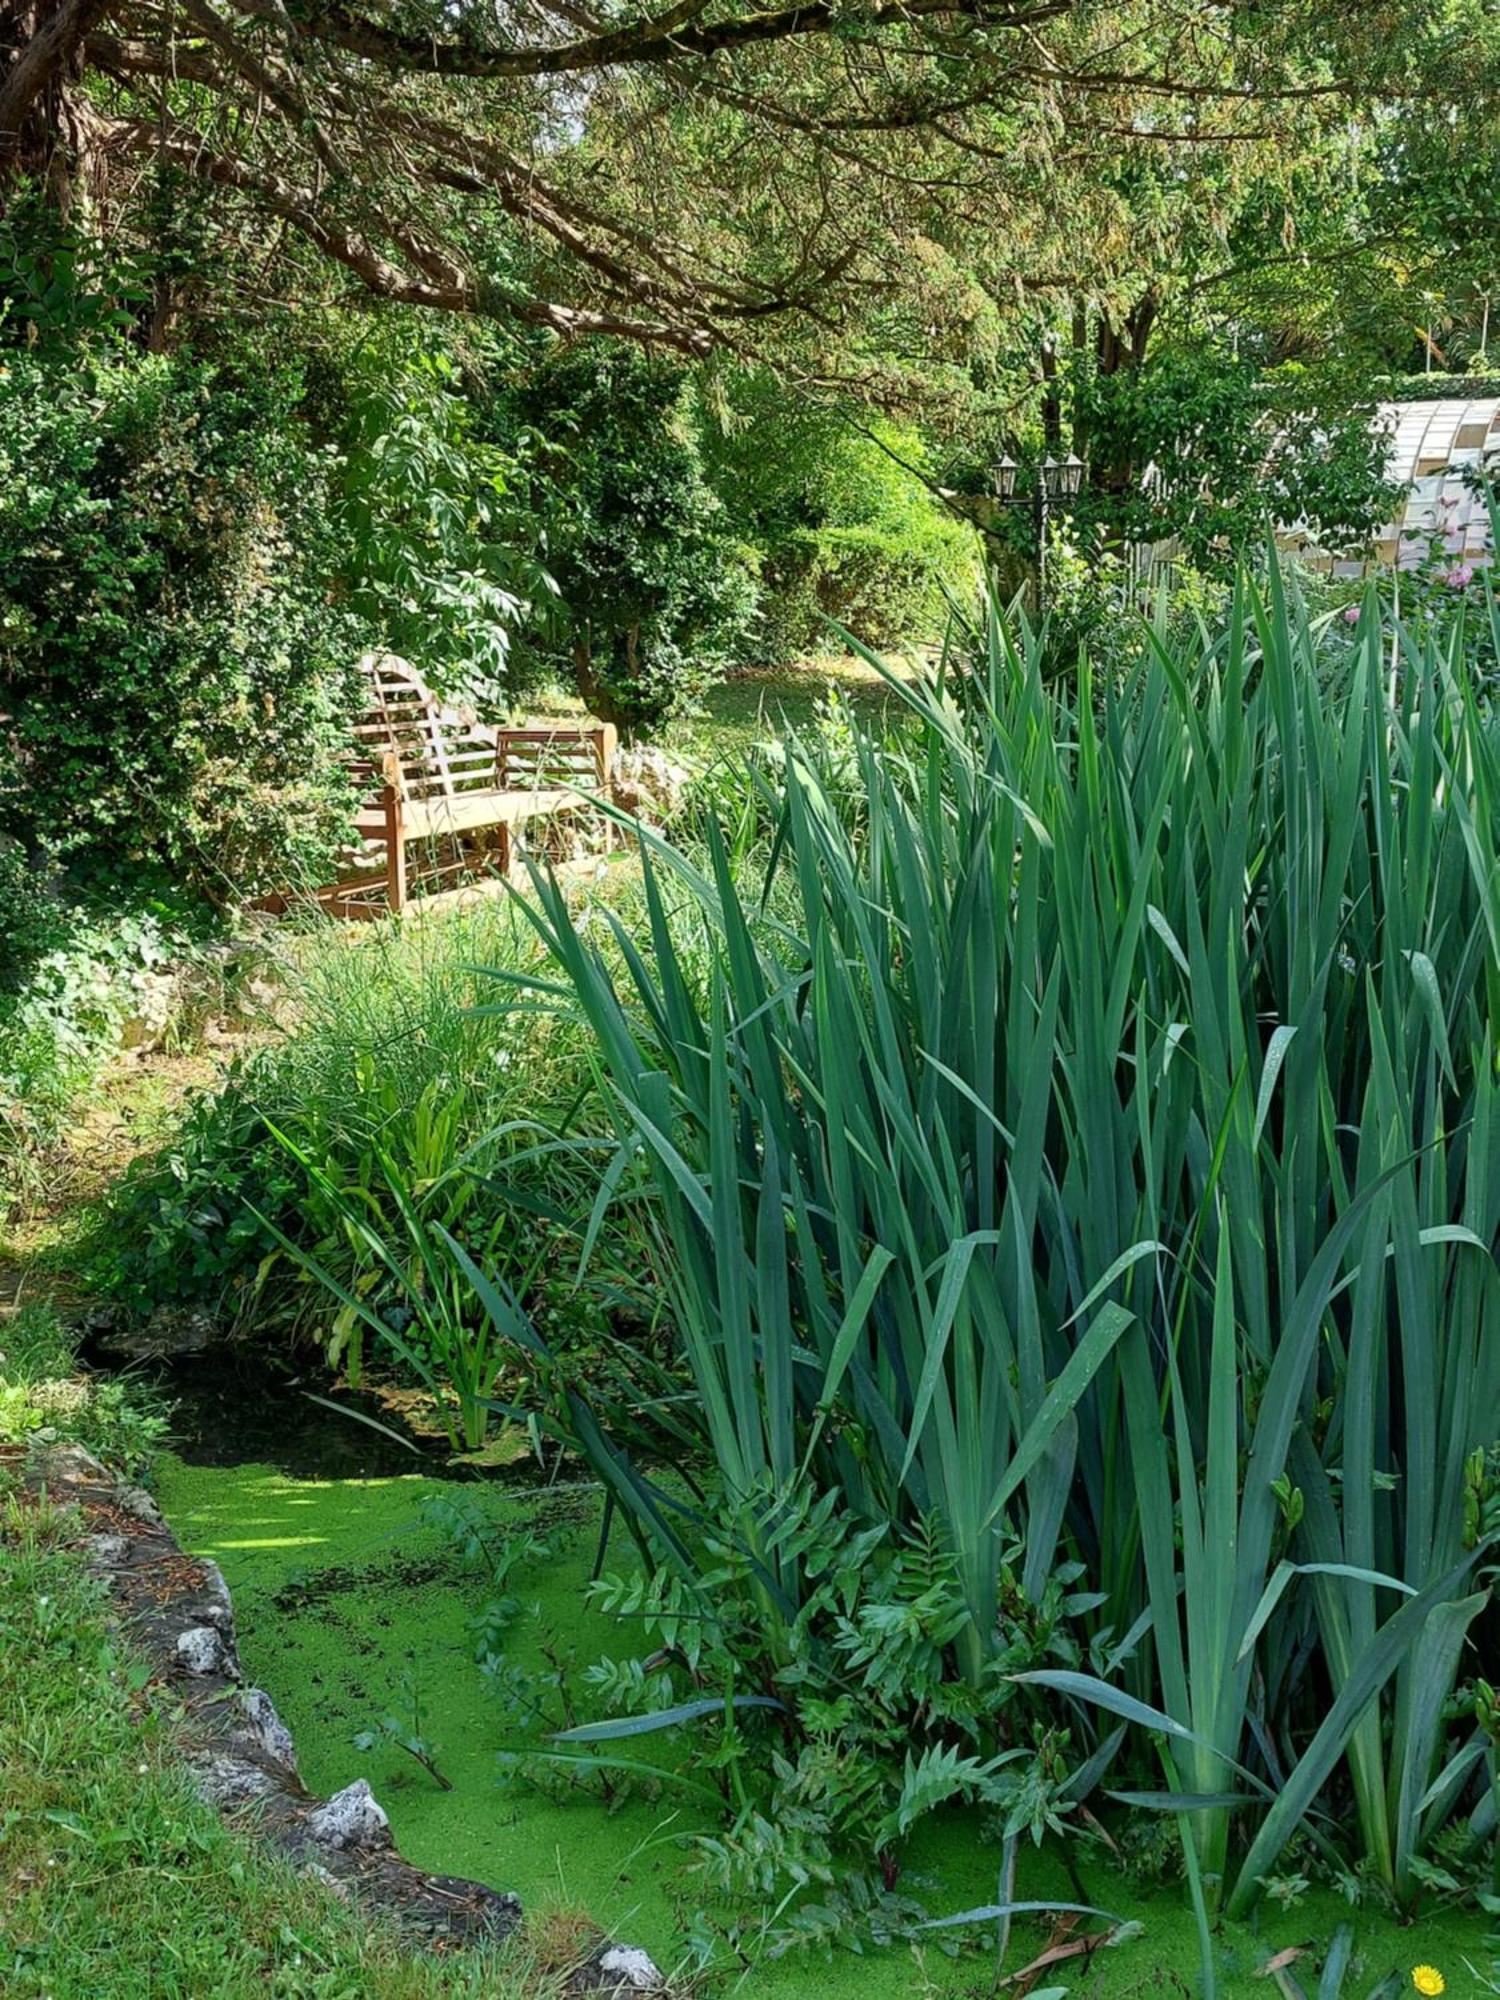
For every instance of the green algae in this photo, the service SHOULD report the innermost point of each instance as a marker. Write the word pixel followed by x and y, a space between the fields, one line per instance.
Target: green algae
pixel 345 1593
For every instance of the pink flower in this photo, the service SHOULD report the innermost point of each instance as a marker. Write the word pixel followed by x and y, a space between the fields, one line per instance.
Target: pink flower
pixel 1459 575
pixel 1351 614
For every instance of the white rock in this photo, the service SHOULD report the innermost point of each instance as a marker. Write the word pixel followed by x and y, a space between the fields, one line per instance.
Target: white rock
pixel 105 1551
pixel 267 1727
pixel 213 1606
pixel 136 1500
pixel 351 1818
pixel 629 1966
pixel 202 1651
pixel 227 1782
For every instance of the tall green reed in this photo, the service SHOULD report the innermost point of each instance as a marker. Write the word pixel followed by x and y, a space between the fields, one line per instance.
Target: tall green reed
pixel 1094 1138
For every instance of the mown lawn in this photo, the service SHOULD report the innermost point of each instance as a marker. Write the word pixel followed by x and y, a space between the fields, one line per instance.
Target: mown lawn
pixel 749 706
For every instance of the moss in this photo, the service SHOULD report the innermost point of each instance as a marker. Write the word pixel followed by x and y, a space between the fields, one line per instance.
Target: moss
pixel 342 1591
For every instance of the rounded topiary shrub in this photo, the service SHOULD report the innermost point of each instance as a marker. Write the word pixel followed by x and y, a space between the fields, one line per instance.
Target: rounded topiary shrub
pixel 885 586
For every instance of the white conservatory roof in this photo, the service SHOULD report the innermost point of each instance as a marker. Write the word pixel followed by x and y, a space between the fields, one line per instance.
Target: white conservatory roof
pixel 1432 446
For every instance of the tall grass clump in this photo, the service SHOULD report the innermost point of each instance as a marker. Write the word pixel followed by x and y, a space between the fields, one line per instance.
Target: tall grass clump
pixel 1084 1158
pixel 377 1107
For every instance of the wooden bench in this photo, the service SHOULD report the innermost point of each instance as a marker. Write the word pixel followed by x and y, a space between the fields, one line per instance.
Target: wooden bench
pixel 439 775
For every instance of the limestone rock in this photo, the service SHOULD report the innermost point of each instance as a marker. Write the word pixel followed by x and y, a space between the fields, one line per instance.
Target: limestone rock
pixel 137 1501
pixel 227 1782
pixel 213 1606
pixel 201 1650
pixel 351 1818
pixel 616 1970
pixel 266 1727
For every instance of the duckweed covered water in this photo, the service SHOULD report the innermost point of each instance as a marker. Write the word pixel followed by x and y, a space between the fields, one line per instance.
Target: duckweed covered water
pixel 347 1596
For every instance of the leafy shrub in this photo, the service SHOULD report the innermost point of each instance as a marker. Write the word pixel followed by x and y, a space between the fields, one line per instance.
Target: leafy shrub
pixel 1096 604
pixel 1473 386
pixel 847 532
pixel 443 554
pixel 178 683
pixel 1098 1153
pixel 883 585
pixel 394 1107
pixel 72 974
pixel 1239 447
pixel 44 1400
pixel 656 593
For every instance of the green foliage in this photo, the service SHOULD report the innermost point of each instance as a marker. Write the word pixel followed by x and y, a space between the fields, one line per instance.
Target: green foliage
pixel 656 593
pixel 1098 605
pixel 73 972
pixel 43 1400
pixel 885 585
pixel 58 287
pixel 1097 1142
pixel 1431 388
pixel 847 532
pixel 396 1109
pixel 177 680
pixel 880 1734
pixel 825 1757
pixel 1239 447
pixel 1435 589
pixel 443 540
pixel 407 1731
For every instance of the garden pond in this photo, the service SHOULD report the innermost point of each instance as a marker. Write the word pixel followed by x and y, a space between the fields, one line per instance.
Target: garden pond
pixel 355 1602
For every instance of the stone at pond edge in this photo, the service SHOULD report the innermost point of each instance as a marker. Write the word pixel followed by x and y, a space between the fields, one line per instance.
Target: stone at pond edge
pixel 266 1728
pixel 615 1971
pixel 179 1615
pixel 353 1817
pixel 201 1650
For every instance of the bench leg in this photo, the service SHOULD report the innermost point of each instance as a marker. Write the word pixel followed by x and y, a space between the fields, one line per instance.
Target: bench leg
pixel 395 851
pixel 604 754
pixel 502 849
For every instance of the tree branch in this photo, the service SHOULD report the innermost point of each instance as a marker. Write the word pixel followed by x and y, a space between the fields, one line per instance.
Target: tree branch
pixel 673 34
pixel 44 57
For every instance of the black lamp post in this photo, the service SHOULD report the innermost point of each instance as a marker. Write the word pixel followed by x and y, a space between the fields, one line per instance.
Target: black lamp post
pixel 1058 484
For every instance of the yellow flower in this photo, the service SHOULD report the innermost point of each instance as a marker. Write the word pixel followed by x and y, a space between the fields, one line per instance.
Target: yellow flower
pixel 1427 1979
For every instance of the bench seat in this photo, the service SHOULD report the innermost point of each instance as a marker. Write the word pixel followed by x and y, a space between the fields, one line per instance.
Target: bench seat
pixel 430 819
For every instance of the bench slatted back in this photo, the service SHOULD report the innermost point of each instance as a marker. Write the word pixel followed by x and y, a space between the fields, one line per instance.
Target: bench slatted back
pixel 413 740
pixel 544 759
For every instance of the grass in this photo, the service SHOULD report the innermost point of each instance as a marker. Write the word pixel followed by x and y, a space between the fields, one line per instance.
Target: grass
pixel 341 1591
pixel 114 1878
pixel 746 708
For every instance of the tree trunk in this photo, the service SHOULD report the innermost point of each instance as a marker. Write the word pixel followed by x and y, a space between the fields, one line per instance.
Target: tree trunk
pixel 45 122
pixel 1118 349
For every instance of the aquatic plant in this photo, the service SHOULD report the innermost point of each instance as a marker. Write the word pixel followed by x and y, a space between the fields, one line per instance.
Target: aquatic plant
pixel 1092 1144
